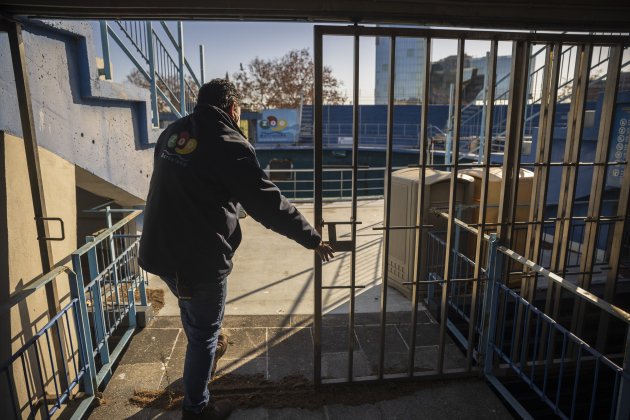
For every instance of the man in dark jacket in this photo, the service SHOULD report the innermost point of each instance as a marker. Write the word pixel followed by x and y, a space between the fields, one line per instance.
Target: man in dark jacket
pixel 203 168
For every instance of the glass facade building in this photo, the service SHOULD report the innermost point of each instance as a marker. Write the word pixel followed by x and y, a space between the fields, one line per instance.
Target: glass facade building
pixel 410 56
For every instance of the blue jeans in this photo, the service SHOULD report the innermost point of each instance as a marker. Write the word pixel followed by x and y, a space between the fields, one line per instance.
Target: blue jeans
pixel 201 319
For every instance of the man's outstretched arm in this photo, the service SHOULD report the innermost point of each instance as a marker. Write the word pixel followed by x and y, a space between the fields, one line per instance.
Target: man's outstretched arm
pixel 262 199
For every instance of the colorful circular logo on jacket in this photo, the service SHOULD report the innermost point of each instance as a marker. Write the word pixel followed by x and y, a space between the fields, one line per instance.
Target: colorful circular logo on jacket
pixel 182 143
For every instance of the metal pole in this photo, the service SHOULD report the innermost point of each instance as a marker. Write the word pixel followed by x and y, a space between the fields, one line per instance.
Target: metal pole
pixel 419 269
pixel 182 80
pixel 154 104
pixel 83 325
pixel 490 304
pixel 484 110
pixel 107 64
pixel 388 201
pixel 353 219
pixel 535 232
pixel 317 201
pixel 20 71
pixel 100 332
pixel 452 207
pixel 202 64
pixel 569 173
pixel 449 132
pixel 483 199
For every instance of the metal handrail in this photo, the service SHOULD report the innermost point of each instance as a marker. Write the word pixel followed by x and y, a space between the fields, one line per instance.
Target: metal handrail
pixel 176 91
pixel 532 265
pixel 607 307
pixel 112 269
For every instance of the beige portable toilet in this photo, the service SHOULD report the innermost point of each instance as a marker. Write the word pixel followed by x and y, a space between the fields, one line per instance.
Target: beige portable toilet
pixel 404 210
pixel 523 203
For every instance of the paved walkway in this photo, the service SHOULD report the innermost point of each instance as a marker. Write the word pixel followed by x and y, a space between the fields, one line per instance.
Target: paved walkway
pixel 269 324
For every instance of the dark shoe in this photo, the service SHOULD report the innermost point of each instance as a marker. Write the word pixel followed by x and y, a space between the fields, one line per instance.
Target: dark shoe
pixel 217 410
pixel 222 345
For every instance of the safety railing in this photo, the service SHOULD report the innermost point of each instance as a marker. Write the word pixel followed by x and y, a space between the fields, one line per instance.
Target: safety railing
pixel 460 294
pixel 511 334
pixel 88 334
pixel 572 377
pixel 160 61
pixel 297 184
pixel 45 372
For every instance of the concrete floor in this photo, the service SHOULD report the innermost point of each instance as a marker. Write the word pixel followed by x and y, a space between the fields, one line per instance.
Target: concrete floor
pixel 269 324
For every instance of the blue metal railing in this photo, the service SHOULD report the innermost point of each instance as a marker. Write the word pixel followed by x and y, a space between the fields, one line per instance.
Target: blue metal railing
pixel 546 356
pixel 103 281
pixel 34 381
pixel 161 62
pixel 511 334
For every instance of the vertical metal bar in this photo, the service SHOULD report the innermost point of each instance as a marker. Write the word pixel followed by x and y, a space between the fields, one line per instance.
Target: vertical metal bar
pixel 452 207
pixel 83 326
pixel 490 81
pixel 112 252
pixel 486 84
pixel 491 301
pixel 448 146
pixel 20 71
pixel 317 201
pixel 569 174
pixel 388 202
pixel 512 149
pixel 100 332
pixel 41 372
pixel 52 365
pixel 182 80
pixel 107 64
pixel 202 64
pixel 153 87
pixel 535 232
pixel 353 217
pixel 591 228
pixel 74 360
pixel 132 308
pixel 63 353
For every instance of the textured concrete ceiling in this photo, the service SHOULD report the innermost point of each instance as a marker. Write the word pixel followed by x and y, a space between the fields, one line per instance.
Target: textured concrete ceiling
pixel 579 15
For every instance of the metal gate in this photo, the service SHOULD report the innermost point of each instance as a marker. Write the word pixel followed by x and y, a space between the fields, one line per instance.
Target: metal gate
pixel 565 251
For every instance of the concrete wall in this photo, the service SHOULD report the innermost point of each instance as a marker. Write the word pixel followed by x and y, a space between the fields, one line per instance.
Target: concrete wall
pixel 102 127
pixel 19 252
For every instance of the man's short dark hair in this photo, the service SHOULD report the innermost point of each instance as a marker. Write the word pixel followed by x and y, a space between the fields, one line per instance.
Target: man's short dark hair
pixel 218 92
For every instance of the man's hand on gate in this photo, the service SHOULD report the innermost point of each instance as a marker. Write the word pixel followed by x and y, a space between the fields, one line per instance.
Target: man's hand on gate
pixel 325 251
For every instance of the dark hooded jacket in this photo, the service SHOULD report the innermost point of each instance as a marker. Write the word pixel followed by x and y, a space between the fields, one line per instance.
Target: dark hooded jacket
pixel 204 167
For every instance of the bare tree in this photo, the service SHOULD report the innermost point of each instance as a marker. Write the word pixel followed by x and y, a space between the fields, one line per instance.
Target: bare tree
pixel 285 82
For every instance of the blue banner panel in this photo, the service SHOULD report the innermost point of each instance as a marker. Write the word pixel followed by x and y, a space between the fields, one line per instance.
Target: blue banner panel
pixel 278 126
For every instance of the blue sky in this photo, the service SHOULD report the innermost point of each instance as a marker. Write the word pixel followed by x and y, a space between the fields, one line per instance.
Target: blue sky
pixel 228 44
